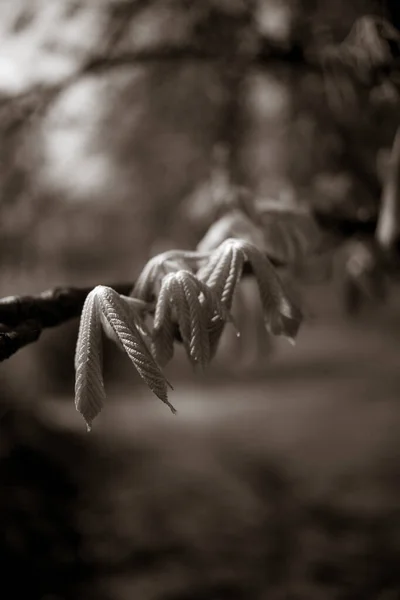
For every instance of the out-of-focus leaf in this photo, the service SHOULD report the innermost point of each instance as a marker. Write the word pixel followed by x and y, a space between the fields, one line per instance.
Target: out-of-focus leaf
pixel 373 42
pixel 364 277
pixel 255 344
pixel 290 234
pixel 234 224
pixel 372 46
pixel 388 227
pixel 282 316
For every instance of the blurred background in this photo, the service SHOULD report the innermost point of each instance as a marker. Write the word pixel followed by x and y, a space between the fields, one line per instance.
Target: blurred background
pixel 124 127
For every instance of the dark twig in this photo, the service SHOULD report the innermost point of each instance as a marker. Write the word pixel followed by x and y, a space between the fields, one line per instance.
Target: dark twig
pixel 11 340
pixel 23 318
pixel 50 308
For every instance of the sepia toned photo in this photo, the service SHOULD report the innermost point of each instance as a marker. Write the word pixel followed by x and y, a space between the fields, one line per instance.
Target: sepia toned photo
pixel 200 299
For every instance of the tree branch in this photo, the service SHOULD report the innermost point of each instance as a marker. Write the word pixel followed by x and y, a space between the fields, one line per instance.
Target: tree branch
pixel 23 318
pixel 105 62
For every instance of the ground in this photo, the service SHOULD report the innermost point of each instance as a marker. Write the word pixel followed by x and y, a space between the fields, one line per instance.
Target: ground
pixel 282 483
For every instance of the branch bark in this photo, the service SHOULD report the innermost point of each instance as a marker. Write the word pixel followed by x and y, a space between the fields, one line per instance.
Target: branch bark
pixel 23 318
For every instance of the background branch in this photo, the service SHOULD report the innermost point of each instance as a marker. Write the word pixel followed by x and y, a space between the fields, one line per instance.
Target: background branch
pixel 263 54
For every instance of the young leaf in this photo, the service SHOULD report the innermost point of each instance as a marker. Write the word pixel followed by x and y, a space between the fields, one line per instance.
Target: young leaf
pixel 218 314
pixel 180 309
pixel 190 316
pixel 89 386
pixel 189 304
pixel 115 312
pixel 164 326
pixel 220 277
pixel 206 270
pixel 163 342
pixel 216 310
pixel 282 317
pixel 226 273
pixel 199 348
pixel 149 278
pixel 148 284
pixel 136 311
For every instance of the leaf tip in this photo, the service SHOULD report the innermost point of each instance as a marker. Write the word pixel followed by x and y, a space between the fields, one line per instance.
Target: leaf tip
pixel 172 408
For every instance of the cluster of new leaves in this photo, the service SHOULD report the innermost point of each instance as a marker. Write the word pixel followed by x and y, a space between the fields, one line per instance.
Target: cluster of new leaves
pixel 188 297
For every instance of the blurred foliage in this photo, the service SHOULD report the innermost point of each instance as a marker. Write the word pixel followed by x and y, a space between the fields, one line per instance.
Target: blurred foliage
pixel 133 134
pixel 125 124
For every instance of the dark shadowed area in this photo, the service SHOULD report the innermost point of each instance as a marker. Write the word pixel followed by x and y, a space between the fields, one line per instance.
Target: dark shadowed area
pixel 127 128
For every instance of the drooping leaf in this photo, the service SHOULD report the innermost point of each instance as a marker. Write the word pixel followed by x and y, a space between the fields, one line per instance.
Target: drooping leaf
pixel 89 385
pixel 164 326
pixel 136 314
pixel 194 309
pixel 148 284
pixel 219 315
pixel 224 273
pixel 216 310
pixel 180 309
pixel 206 270
pixel 188 314
pixel 115 312
pixel 199 346
pixel 282 317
